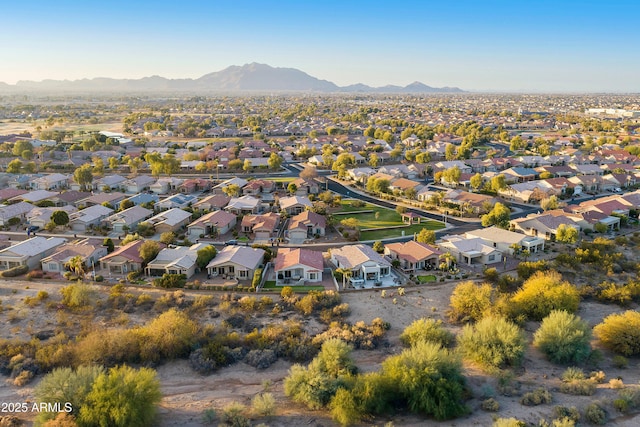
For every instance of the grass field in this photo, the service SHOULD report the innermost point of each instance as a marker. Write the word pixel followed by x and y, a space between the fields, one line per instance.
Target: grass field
pixel 426 279
pixel 382 218
pixel 270 285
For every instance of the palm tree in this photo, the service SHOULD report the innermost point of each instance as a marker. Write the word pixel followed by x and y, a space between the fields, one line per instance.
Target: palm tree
pixel 76 264
pixel 448 259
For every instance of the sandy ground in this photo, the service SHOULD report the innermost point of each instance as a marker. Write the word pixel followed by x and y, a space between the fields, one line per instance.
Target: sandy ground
pixel 187 394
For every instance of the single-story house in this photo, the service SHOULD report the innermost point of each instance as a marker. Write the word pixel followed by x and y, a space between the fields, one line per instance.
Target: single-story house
pixel 413 255
pixel 263 227
pixel 128 219
pixel 17 210
pixel 298 266
pixel 363 263
pixel 91 252
pixel 213 202
pixel 40 217
pixel 171 220
pixel 470 251
pixel 179 201
pixel 91 216
pixel 29 252
pixel 244 205
pixel 506 241
pixel 175 260
pixel 238 262
pixel 295 204
pixel 305 226
pixel 212 224
pixel 125 259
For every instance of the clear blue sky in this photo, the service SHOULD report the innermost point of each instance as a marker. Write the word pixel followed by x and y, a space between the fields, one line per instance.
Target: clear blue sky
pixel 553 46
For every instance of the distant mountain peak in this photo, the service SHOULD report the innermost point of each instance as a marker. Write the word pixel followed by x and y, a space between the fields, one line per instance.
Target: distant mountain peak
pixel 252 77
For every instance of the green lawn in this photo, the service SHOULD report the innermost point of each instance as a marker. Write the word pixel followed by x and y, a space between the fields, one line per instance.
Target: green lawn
pixel 270 285
pixel 285 179
pixel 385 218
pixel 426 279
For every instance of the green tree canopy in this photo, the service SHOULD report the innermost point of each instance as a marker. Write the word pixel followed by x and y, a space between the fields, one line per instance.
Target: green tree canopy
pixel 123 397
pixel 500 216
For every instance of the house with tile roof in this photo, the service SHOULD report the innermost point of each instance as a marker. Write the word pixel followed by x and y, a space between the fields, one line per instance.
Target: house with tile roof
pixel 212 224
pixel 128 219
pixel 171 220
pixel 298 266
pixel 362 262
pixel 238 262
pixel 125 259
pixel 505 241
pixel 413 255
pixel 263 227
pixel 473 251
pixel 90 250
pixel 305 226
pixel 293 205
pixel 17 210
pixel 29 252
pixel 213 202
pixel 88 217
pixel 175 260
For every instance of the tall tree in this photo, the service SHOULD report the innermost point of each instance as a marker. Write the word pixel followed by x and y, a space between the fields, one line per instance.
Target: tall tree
pixel 83 175
pixel 275 161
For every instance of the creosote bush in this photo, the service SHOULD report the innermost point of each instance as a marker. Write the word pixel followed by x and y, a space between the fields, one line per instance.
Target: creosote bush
pixel 537 397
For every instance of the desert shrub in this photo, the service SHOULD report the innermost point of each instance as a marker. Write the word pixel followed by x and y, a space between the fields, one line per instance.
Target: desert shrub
pixel 527 269
pixel 359 335
pixel 61 420
pixel 426 330
pixel 170 281
pixel 425 378
pixel 616 383
pixel 563 422
pixel 23 378
pixel 563 337
pixel 595 414
pixel 77 295
pixel 66 385
pixel 201 363
pixel 490 405
pixel 631 396
pixel 544 292
pixel 316 301
pixel 122 397
pixel 257 276
pixel 233 415
pixel 621 294
pixel 620 332
pixel 598 377
pixel 261 359
pixel 264 404
pixel 571 413
pixel 620 362
pixel 144 299
pixel 345 410
pixel 621 405
pixel 491 275
pixel 470 302
pixel 493 342
pixel 209 416
pixel 316 384
pixel 508 422
pixel 572 373
pixel 537 397
pixel 168 336
pixel 507 384
pixel 99 278
pixel 574 382
pixel 35 274
pixel 15 271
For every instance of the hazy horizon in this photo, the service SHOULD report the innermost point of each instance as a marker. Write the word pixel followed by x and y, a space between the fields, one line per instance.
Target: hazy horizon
pixel 493 46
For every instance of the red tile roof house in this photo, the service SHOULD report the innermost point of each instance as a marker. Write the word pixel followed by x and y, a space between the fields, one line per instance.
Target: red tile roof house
pixel 125 259
pixel 298 266
pixel 263 226
pixel 413 255
pixel 213 202
pixel 258 186
pixel 305 226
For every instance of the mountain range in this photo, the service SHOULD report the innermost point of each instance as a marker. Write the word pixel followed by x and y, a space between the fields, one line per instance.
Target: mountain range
pixel 246 78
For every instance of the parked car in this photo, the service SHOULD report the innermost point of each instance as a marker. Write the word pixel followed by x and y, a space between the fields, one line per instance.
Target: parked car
pixel 230 242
